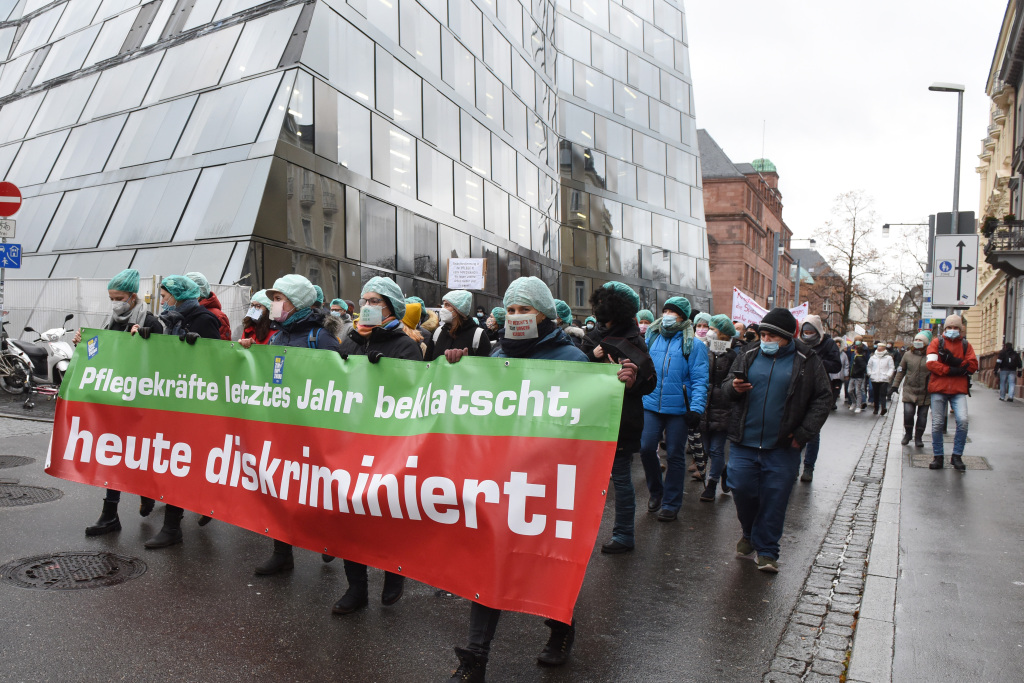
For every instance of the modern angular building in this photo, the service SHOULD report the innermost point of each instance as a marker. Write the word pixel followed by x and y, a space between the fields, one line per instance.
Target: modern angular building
pixel 342 139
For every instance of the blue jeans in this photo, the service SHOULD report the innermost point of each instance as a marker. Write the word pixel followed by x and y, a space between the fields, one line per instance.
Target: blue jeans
pixel 714 443
pixel 1006 383
pixel 674 426
pixel 940 404
pixel 811 454
pixel 761 481
pixel 625 498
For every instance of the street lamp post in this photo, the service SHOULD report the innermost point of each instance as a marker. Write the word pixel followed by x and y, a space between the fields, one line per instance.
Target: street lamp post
pixel 959 90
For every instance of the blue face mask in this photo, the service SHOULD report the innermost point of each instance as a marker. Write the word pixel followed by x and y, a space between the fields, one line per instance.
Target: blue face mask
pixel 769 348
pixel 669 319
pixel 165 307
pixel 952 334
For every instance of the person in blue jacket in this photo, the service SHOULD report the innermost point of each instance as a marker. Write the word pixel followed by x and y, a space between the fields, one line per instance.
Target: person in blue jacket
pixel 675 406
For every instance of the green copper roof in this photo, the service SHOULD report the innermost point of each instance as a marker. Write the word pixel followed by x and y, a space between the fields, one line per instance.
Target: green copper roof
pixel 763 166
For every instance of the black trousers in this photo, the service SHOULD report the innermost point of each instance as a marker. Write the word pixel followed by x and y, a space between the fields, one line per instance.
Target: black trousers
pixel 483 621
pixel 921 412
pixel 879 394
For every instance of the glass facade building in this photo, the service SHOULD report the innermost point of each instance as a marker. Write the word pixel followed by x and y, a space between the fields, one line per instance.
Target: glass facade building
pixel 342 139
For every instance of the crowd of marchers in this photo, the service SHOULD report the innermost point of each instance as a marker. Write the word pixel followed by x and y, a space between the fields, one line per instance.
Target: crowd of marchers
pixel 736 407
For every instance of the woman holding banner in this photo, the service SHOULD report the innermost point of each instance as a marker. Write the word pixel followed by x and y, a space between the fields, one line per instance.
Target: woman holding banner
pixel 128 314
pixel 457 331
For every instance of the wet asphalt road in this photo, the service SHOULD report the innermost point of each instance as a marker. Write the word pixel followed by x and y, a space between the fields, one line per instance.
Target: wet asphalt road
pixel 678 608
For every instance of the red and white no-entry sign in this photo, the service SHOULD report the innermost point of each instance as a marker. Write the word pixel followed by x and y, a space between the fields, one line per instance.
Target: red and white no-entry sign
pixel 10 199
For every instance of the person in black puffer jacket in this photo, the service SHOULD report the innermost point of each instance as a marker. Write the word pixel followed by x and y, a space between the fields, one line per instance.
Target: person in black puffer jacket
pixel 616 339
pixel 292 298
pixel 457 331
pixel 715 424
pixel 812 333
pixel 379 333
pixel 185 317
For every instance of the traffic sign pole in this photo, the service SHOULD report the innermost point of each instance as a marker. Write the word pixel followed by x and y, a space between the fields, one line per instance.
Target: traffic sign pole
pixel 10 202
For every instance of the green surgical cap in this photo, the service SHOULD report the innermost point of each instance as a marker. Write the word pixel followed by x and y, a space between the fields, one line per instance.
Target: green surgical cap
pixel 645 315
pixel 387 288
pixel 202 282
pixel 590 319
pixel 461 300
pixel 723 324
pixel 563 311
pixel 340 302
pixel 702 318
pixel 625 290
pixel 499 315
pixel 319 294
pixel 531 291
pixel 262 299
pixel 126 281
pixel 180 287
pixel 296 289
pixel 416 300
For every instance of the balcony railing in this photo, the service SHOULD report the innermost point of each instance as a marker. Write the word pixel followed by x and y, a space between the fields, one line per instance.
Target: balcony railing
pixel 1005 247
pixel 306 197
pixel 994 131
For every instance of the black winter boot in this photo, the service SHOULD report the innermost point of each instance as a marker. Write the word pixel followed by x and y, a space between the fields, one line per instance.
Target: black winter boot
pixel 906 435
pixel 936 463
pixel 357 595
pixel 146 506
pixel 170 533
pixel 556 652
pixel 280 561
pixel 725 480
pixel 958 463
pixel 919 438
pixel 107 522
pixel 709 491
pixel 472 667
pixel 394 586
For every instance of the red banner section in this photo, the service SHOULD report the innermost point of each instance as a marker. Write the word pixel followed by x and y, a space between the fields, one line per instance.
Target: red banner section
pixel 506 521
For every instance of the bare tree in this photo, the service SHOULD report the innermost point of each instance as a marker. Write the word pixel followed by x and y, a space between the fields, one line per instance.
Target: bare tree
pixel 847 240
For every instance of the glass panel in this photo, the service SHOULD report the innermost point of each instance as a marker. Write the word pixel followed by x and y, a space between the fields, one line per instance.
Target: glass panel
pixel 450 244
pixel 469 196
pixel 341 53
pixel 496 210
pixel 67 55
pixel 225 201
pixel 200 14
pixel 503 161
pixel 36 157
pixel 162 261
pixel 524 80
pixel 593 86
pixel 197 64
pixel 151 134
pixel 631 104
pixel 577 124
pixel 424 247
pixel 421 36
pixel 609 58
pixel 34 218
pixel 157 27
pixel 81 218
pixel 7 154
pixel 122 87
pixel 261 44
pixel 476 145
pixel 63 105
pixel 515 119
pixel 573 40
pixel 39 30
pixel 519 221
pixel 438 114
pixel 644 76
pixel 353 136
pixel 229 7
pixel 36 266
pixel 77 15
pixel 488 94
pixel 498 53
pixel 668 19
pixel 403 161
pixel 12 73
pixel 435 178
pixel 229 116
pixel 6 40
pixel 299 127
pixel 384 15
pixel 88 148
pixel 439 8
pixel 111 7
pixel 594 11
pixel 458 67
pixel 466 21
pixel 380 233
pixel 111 38
pixel 16 116
pixel 98 264
pixel 408 102
pixel 648 152
pixel 659 46
pixel 149 209
pixel 627 26
pixel 528 178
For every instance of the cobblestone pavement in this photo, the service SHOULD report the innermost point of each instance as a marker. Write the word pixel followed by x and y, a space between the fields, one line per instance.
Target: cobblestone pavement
pixel 816 643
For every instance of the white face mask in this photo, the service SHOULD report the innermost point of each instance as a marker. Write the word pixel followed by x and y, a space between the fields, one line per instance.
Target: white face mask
pixel 444 315
pixel 254 313
pixel 711 335
pixel 278 313
pixel 669 319
pixel 919 345
pixel 371 316
pixel 521 326
pixel 336 314
pixel 120 307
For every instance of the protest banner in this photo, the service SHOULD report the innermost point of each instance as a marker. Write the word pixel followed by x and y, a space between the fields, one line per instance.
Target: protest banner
pixel 748 311
pixel 486 478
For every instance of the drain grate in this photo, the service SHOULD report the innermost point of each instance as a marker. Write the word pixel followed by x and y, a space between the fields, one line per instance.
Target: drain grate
pixel 973 462
pixel 71 571
pixel 14 461
pixel 16 495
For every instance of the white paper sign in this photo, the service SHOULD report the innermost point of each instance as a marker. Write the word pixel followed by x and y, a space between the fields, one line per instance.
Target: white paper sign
pixel 748 311
pixel 718 345
pixel 521 326
pixel 467 273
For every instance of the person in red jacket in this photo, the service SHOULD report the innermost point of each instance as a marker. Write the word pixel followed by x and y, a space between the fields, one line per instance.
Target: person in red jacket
pixel 951 360
pixel 209 301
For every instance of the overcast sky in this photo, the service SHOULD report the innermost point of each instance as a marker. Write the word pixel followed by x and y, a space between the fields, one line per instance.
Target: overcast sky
pixel 843 91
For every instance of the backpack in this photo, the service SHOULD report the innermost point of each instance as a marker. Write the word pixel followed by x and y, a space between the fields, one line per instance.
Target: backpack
pixel 314 338
pixel 477 336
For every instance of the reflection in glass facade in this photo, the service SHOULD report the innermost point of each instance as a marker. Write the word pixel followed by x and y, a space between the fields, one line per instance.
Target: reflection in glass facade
pixel 342 139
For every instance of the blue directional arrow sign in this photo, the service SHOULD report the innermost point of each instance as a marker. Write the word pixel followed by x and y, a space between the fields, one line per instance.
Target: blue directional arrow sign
pixel 10 256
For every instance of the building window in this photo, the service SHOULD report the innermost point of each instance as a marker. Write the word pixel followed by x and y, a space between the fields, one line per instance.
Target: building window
pixel 581 291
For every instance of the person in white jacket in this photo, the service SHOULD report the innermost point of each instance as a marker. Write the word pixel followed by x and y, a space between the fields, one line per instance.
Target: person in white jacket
pixel 880 372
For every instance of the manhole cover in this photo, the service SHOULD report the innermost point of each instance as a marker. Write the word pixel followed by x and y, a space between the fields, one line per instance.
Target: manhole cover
pixel 973 462
pixel 71 571
pixel 16 495
pixel 13 461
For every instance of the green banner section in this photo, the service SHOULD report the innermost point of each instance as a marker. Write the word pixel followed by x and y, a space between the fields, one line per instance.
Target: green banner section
pixel 476 396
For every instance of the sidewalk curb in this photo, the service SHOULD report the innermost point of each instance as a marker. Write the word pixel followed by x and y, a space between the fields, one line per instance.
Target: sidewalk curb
pixel 30 418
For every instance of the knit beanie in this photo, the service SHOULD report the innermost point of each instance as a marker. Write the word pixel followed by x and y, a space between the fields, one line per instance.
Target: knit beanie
pixel 780 321
pixel 679 304
pixel 412 314
pixel 953 320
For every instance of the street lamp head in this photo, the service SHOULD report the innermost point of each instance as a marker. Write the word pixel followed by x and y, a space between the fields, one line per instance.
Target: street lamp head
pixel 946 87
pixel 813 242
pixel 885 229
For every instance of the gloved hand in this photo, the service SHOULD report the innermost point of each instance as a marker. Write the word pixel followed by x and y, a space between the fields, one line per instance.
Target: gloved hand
pixel 181 336
pixel 692 419
pixel 144 332
pixel 957 371
pixel 191 338
pixel 374 356
pixel 949 359
pixel 344 356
